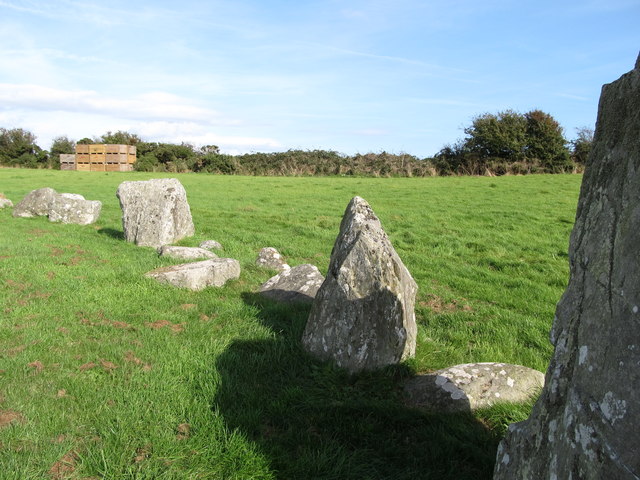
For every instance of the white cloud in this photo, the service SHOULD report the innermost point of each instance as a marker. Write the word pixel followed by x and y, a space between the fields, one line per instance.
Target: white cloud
pixel 149 106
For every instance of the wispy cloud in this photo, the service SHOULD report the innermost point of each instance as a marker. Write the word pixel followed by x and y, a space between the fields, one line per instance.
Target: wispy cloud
pixel 149 106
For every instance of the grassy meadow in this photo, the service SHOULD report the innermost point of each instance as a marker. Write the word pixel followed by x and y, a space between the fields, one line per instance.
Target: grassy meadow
pixel 107 374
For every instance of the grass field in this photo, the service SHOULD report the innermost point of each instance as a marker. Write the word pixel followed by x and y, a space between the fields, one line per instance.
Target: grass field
pixel 106 374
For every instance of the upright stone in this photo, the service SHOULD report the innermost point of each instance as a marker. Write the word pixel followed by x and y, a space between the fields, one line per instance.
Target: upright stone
pixel 363 314
pixel 585 423
pixel 155 212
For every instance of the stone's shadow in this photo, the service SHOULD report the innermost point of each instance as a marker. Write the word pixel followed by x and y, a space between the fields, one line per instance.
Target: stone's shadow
pixel 111 232
pixel 314 420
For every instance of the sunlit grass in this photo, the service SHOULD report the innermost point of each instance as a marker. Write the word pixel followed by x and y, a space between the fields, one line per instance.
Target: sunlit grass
pixel 116 376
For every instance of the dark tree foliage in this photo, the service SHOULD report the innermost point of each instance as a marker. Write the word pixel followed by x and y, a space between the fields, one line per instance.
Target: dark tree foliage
pixel 581 146
pixel 508 142
pixel 119 138
pixel 18 147
pixel 60 145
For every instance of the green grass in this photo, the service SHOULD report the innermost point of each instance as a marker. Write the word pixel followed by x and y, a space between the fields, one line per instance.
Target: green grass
pixel 110 375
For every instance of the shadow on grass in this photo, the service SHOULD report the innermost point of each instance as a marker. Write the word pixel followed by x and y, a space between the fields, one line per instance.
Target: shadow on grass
pixel 113 233
pixel 313 420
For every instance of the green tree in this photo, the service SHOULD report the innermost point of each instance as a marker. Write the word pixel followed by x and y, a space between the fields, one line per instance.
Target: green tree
pixel 18 147
pixel 120 138
pixel 502 135
pixel 60 145
pixel 545 142
pixel 85 141
pixel 581 146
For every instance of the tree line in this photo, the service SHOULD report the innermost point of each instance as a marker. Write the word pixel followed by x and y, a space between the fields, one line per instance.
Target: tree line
pixel 494 144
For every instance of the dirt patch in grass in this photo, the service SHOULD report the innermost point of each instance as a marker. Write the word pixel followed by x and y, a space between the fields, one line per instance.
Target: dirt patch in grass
pixel 87 366
pixel 8 417
pixel 37 366
pixel 130 357
pixel 439 305
pixel 158 324
pixel 65 467
pixel 142 453
pixel 12 352
pixel 183 431
pixel 101 320
pixel 37 232
pixel 188 306
pixel 108 366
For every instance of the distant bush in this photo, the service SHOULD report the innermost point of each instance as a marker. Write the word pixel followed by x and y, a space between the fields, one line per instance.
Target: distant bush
pixel 496 144
pixel 508 143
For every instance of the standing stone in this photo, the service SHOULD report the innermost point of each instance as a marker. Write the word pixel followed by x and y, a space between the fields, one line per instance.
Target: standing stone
pixel 363 315
pixel 155 212
pixel 585 424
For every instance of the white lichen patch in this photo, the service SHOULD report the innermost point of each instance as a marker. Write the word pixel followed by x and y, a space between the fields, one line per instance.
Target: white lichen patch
pixel 584 351
pixel 613 409
pixel 635 309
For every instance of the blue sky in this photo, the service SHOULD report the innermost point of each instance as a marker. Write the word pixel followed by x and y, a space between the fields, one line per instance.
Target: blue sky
pixel 345 75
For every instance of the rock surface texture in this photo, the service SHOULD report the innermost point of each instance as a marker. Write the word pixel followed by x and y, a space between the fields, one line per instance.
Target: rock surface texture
pixel 36 203
pixel 210 245
pixel 59 207
pixel 269 257
pixel 198 275
pixel 473 385
pixel 363 314
pixel 185 253
pixel 5 203
pixel 585 424
pixel 297 284
pixel 155 212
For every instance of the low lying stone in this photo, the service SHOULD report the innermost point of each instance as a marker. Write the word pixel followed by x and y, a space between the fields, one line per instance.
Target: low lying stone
pixel 73 208
pixel 5 202
pixel 210 245
pixel 35 204
pixel 269 257
pixel 473 385
pixel 297 284
pixel 185 253
pixel 198 275
pixel 59 207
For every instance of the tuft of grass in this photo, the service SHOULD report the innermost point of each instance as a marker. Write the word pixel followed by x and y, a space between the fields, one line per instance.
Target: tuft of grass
pixel 107 374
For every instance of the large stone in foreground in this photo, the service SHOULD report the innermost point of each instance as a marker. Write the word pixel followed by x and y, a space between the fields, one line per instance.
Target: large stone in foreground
pixel 473 385
pixel 155 212
pixel 59 207
pixel 297 284
pixel 585 424
pixel 198 275
pixel 363 314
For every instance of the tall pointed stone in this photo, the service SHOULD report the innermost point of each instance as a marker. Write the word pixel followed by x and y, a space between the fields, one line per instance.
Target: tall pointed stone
pixel 585 424
pixel 363 314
